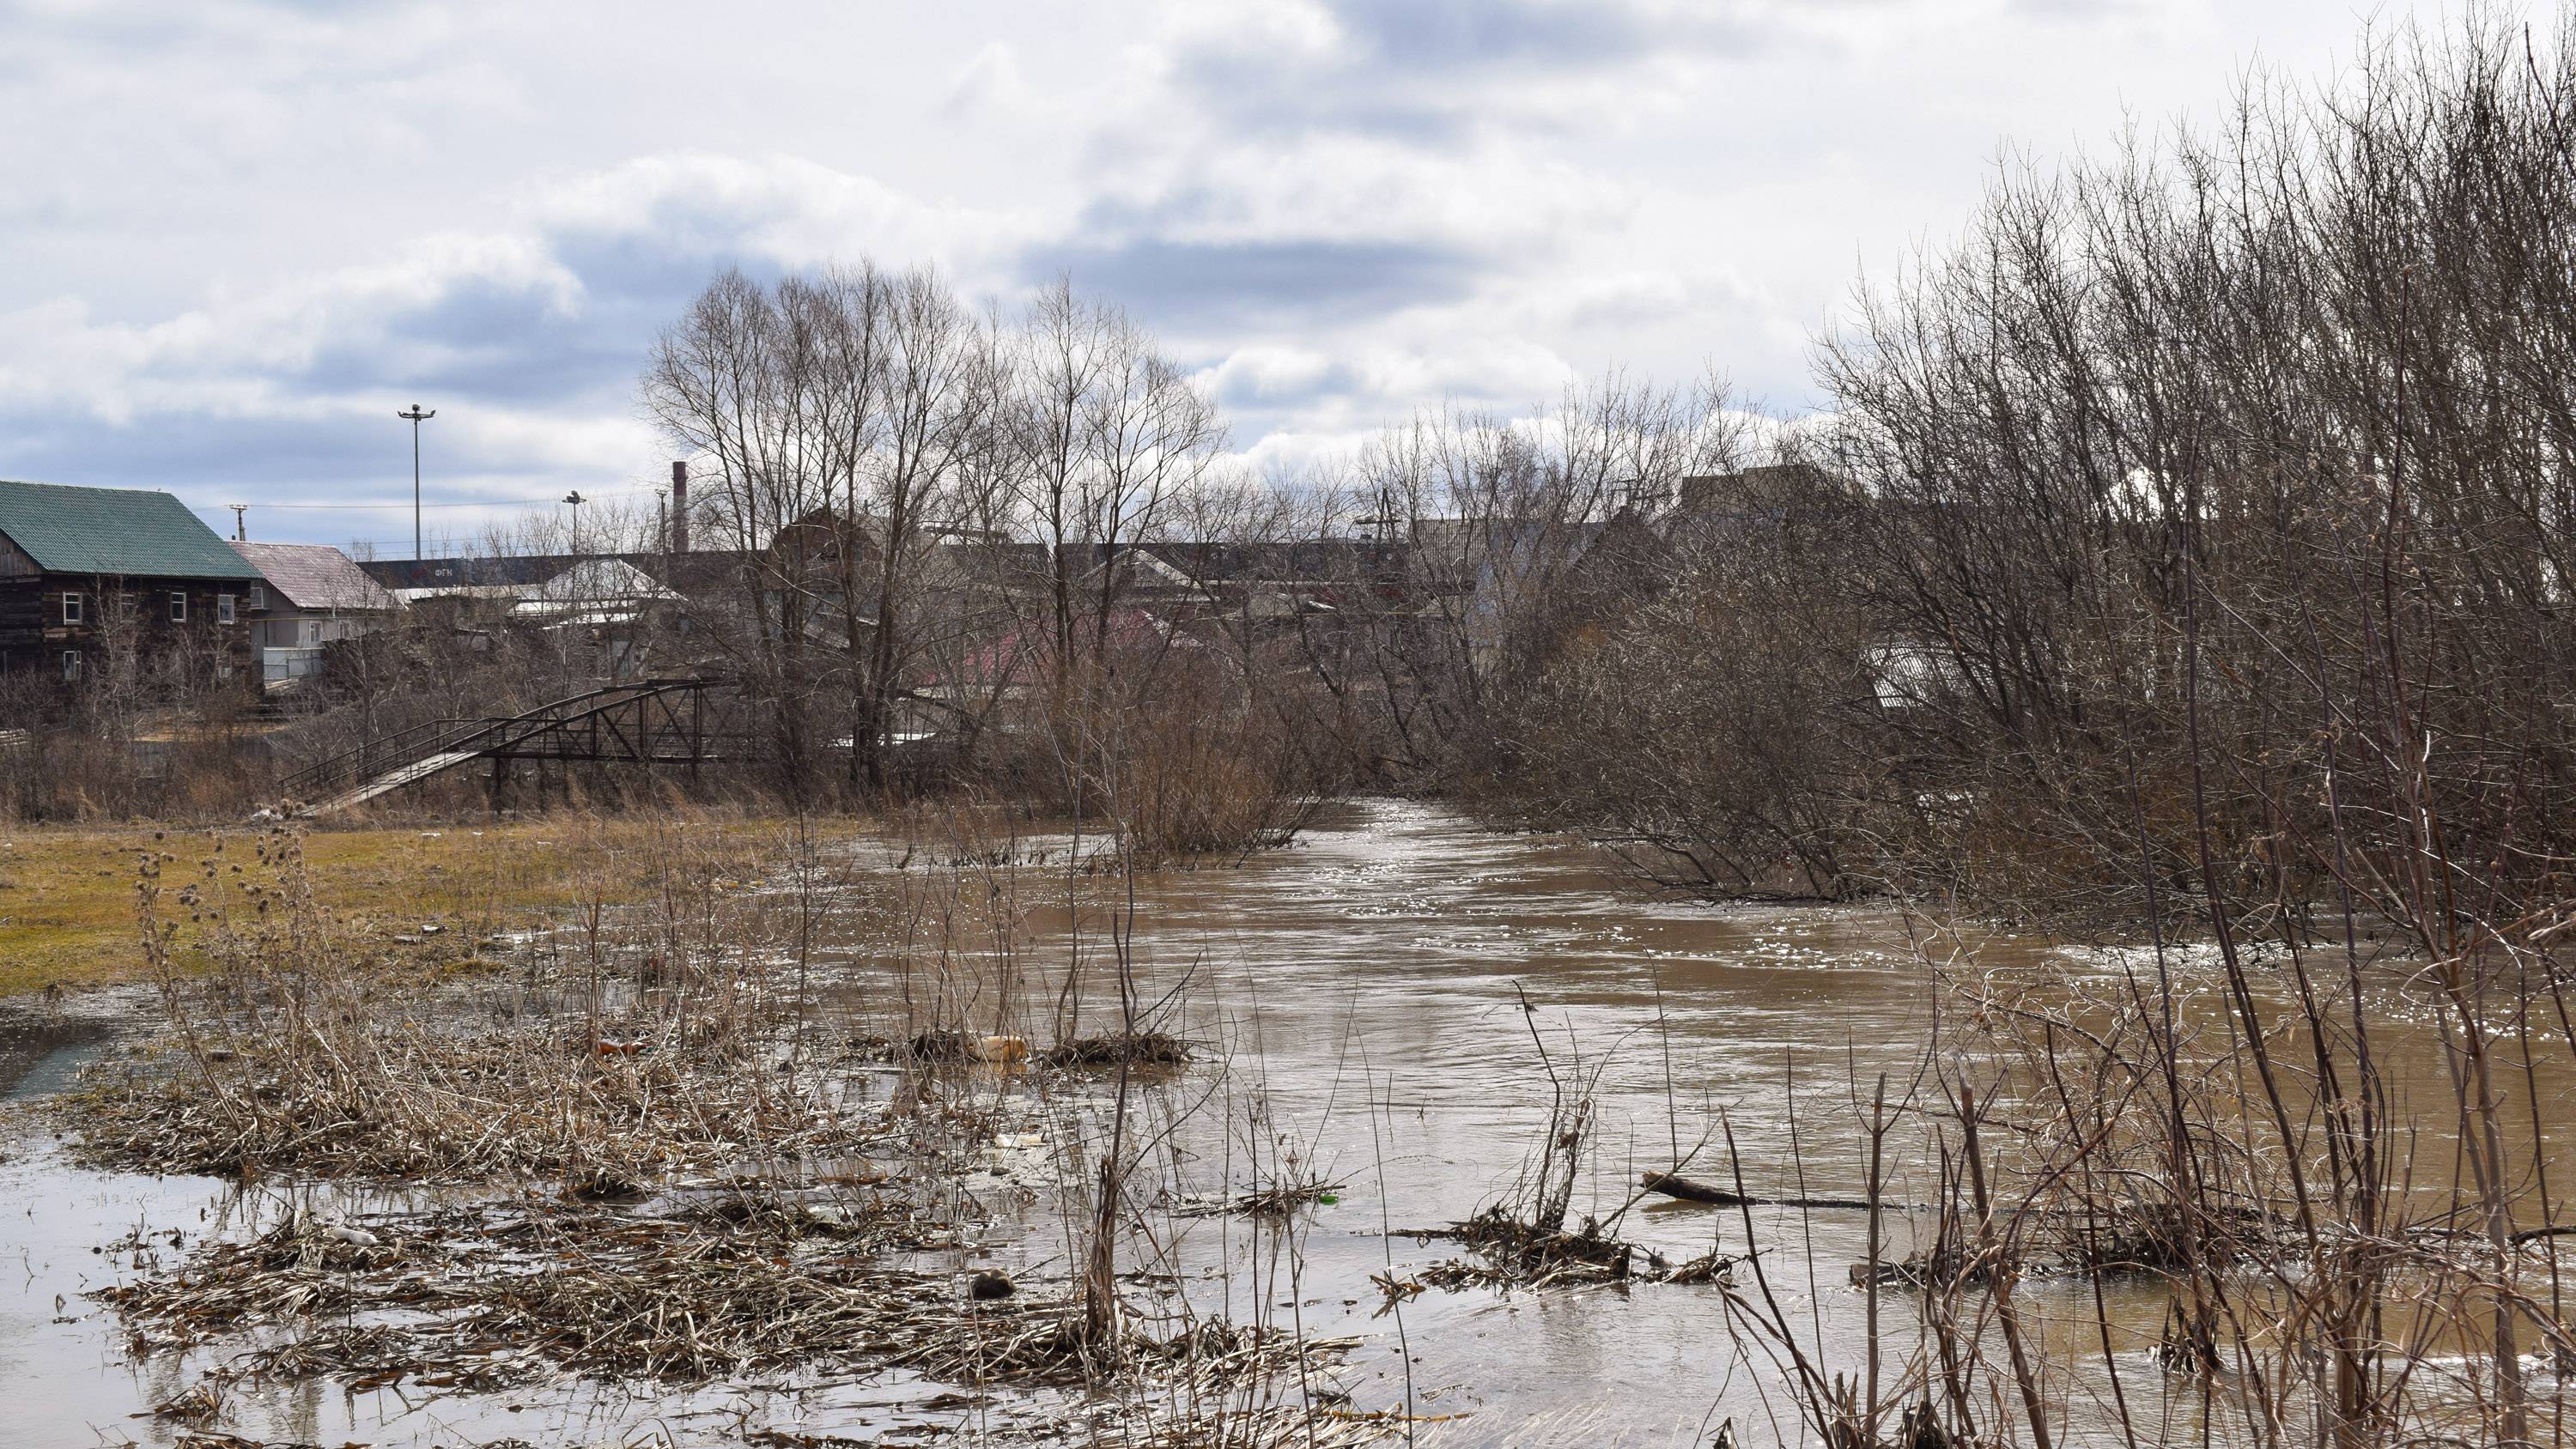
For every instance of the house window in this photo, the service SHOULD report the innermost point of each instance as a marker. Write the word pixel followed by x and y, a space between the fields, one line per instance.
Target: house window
pixel 71 608
pixel 258 597
pixel 178 606
pixel 71 665
pixel 223 608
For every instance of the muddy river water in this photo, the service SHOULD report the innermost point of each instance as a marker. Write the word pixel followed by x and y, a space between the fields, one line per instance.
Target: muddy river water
pixel 1371 998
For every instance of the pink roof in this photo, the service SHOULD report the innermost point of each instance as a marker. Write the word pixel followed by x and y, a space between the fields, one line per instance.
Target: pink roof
pixel 315 576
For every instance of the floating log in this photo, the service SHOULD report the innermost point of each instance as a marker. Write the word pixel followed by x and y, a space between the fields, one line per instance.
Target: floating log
pixel 1671 1185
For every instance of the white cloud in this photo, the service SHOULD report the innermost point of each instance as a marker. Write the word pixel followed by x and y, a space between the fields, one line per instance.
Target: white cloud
pixel 990 86
pixel 695 209
pixel 1496 198
pixel 553 444
pixel 1501 369
pixel 780 208
pixel 1281 33
pixel 1613 299
pixel 1303 452
pixel 1267 372
pixel 228 354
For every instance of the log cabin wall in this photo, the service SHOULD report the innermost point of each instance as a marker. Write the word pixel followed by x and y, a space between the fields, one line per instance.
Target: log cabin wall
pixel 36 629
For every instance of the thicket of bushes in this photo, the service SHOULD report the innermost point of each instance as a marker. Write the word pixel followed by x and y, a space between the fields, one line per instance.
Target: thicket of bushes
pixel 2197 528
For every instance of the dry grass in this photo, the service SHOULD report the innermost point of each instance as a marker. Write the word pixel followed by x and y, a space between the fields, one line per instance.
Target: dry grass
pixel 623 1044
pixel 535 1098
pixel 512 1292
pixel 508 1290
pixel 1128 1049
pixel 67 893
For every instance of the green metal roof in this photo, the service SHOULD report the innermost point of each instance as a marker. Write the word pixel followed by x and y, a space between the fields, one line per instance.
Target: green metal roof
pixel 118 532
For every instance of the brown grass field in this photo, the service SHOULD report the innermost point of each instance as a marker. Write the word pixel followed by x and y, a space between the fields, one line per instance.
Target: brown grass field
pixel 68 893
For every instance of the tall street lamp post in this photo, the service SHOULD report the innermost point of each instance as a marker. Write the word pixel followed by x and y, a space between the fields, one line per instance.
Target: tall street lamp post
pixel 416 417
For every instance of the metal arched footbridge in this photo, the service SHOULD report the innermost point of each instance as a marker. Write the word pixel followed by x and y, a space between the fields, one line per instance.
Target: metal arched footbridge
pixel 641 722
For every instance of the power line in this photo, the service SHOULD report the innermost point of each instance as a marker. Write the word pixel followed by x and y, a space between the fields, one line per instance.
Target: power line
pixel 397 550
pixel 405 503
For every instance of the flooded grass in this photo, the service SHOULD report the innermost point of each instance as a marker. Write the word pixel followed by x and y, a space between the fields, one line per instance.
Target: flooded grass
pixel 400 1102
pixel 499 1293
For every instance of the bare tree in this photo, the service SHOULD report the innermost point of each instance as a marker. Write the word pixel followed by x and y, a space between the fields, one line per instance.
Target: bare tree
pixel 1504 527
pixel 737 383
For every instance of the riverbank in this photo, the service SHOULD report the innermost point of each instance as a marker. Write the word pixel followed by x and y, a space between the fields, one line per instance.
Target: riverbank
pixel 67 893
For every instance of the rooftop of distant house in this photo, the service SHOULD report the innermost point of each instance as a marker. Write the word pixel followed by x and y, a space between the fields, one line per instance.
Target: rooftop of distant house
pixel 516 573
pixel 316 576
pixel 136 533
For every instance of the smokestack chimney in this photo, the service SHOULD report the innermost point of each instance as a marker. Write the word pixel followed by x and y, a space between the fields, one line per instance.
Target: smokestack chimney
pixel 679 506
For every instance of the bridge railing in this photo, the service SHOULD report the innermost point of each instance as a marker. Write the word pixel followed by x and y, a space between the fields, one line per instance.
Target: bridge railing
pixel 377 756
pixel 373 757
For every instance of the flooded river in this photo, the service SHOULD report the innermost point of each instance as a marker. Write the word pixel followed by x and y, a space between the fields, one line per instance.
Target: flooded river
pixel 1375 1000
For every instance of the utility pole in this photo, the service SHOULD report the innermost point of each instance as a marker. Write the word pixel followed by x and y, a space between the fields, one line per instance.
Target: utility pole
pixel 240 534
pixel 1382 526
pixel 416 417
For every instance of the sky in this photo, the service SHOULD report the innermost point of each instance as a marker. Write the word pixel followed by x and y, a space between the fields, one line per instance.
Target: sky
pixel 236 238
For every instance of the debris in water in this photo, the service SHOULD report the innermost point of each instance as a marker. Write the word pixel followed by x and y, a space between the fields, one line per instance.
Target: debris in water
pixel 958 1046
pixel 1276 1201
pixel 504 1292
pixel 1136 1049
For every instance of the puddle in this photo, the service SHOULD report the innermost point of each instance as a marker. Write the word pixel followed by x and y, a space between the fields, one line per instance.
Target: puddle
pixel 40 1053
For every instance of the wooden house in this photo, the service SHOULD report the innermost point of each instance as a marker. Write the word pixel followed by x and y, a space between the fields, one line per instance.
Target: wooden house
pixel 125 577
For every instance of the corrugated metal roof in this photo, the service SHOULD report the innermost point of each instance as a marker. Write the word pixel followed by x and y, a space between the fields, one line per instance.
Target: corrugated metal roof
pixel 316 576
pixel 137 533
pixel 702 571
pixel 437 574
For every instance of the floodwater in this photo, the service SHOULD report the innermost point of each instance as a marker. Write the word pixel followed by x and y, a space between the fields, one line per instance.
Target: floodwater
pixel 1387 1002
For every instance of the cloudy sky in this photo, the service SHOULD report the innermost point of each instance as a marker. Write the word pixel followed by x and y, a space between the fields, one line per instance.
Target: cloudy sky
pixel 235 238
